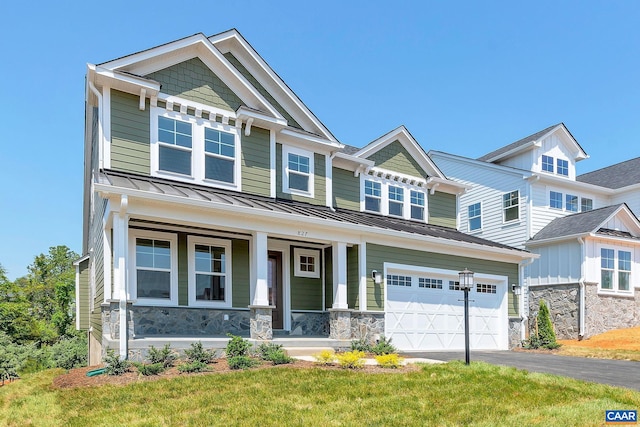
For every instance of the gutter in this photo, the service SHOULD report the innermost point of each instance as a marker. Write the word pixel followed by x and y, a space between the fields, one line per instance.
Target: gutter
pixel 98 95
pixel 582 303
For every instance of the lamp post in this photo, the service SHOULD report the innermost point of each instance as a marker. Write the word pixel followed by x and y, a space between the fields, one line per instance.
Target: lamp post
pixel 466 283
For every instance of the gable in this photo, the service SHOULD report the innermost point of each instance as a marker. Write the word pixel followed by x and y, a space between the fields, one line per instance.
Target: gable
pixel 194 81
pixel 621 223
pixel 395 157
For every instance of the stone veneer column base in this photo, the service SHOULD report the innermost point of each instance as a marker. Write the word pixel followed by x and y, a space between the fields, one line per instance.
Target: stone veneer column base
pixel 340 324
pixel 261 322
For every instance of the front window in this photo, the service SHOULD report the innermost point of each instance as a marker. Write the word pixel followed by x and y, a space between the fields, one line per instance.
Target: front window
pixel 220 153
pixel 298 172
pixel 511 206
pixel 417 205
pixel 555 200
pixel 547 163
pixel 307 262
pixel 209 271
pixel 624 270
pixel 586 204
pixel 396 197
pixel 572 203
pixel 475 217
pixel 175 143
pixel 607 265
pixel 563 167
pixel 153 277
pixel 372 196
pixel 615 270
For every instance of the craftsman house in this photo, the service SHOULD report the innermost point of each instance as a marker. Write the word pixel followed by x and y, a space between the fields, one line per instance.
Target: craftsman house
pixel 583 227
pixel 215 202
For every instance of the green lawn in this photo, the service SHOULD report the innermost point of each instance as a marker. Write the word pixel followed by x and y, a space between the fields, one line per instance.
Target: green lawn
pixel 447 394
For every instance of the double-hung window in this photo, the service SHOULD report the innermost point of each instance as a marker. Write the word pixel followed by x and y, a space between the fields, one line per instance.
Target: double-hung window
pixel 511 206
pixel 297 171
pixel 563 167
pixel 624 270
pixel 615 272
pixel 571 202
pixel 220 153
pixel 396 197
pixel 475 217
pixel 154 276
pixel 547 163
pixel 209 272
pixel 372 196
pixel 555 200
pixel 586 204
pixel 417 205
pixel 607 268
pixel 175 143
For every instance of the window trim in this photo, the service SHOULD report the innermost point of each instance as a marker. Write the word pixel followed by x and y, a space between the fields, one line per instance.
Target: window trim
pixel 384 197
pixel 395 201
pixel 561 199
pixel 567 198
pixel 552 164
pixel 504 208
pixel 192 241
pixel 286 150
pixel 615 271
pixel 297 253
pixel 135 234
pixel 565 166
pixel 412 205
pixel 365 195
pixel 469 218
pixel 582 200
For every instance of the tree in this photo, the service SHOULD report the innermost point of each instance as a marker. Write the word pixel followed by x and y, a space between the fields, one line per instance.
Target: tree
pixel 544 336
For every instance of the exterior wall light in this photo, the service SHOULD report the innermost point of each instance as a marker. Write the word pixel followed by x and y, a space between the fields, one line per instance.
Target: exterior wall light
pixel 376 276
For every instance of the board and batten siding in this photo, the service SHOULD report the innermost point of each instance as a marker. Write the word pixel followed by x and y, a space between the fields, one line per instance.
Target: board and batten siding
pixel 194 81
pixel 377 255
pixel 319 187
pixel 395 157
pixel 559 263
pixel 353 277
pixel 442 209
pixel 83 302
pixel 346 190
pixel 306 292
pixel 130 134
pixel 631 198
pixel 240 269
pixel 255 162
pixel 328 278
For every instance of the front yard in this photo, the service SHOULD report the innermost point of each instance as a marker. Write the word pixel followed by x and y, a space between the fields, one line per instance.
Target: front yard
pixel 623 344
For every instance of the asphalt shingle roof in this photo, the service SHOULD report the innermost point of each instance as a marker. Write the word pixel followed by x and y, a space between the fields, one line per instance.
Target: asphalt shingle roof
pixel 576 224
pixel 517 144
pixel 615 176
pixel 261 203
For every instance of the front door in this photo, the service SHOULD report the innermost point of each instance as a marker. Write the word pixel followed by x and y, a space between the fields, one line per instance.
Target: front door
pixel 275 289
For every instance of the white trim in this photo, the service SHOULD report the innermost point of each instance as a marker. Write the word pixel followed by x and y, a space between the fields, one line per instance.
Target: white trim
pixel 615 285
pixel 384 197
pixel 315 253
pixel 105 152
pixel 192 241
pixel 339 267
pixel 503 208
pixel 475 230
pixel 284 249
pixel 286 150
pixel 272 164
pixel 362 267
pixel 259 268
pixel 328 173
pixel 173 250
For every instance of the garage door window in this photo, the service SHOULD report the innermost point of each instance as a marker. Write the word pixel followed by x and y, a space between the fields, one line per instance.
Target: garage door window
pixel 484 288
pixel 454 286
pixel 424 282
pixel 396 280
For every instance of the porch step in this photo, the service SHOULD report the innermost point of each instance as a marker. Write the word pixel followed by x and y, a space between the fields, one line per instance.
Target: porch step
pixel 306 351
pixel 310 342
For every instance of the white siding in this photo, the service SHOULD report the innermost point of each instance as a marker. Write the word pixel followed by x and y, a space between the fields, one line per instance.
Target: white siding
pixel 631 198
pixel 559 263
pixel 554 147
pixel 593 246
pixel 521 161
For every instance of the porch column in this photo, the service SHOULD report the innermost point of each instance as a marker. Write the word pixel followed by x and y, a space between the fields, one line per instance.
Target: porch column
pixel 339 314
pixel 120 279
pixel 261 322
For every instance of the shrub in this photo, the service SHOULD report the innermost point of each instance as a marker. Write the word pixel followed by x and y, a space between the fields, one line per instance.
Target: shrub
pixel 147 369
pixel 273 353
pixel 195 366
pixel 8 369
pixel 351 359
pixel 241 362
pixel 361 345
pixel 237 346
pixel 389 360
pixel 544 336
pixel 115 365
pixel 383 346
pixel 69 353
pixel 325 357
pixel 165 356
pixel 199 354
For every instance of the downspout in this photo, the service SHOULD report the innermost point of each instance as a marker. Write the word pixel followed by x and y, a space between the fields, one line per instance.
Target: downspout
pixel 583 297
pixel 524 287
pixel 124 351
pixel 98 95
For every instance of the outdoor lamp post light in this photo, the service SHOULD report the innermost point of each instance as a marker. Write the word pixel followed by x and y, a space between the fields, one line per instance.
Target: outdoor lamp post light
pixel 466 283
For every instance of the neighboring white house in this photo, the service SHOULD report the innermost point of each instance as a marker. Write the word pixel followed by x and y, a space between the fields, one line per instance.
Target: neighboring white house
pixel 528 195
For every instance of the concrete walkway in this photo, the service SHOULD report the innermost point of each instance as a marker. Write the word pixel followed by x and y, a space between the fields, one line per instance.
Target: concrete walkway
pixel 619 373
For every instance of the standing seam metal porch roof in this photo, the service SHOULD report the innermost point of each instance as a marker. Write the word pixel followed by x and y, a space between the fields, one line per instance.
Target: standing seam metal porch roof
pixel 261 203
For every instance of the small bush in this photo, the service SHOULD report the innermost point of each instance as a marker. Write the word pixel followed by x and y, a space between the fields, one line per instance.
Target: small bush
pixel 199 354
pixel 165 356
pixel 237 346
pixel 69 353
pixel 389 360
pixel 325 357
pixel 544 336
pixel 195 366
pixel 150 369
pixel 241 362
pixel 115 365
pixel 351 359
pixel 273 353
pixel 361 345
pixel 383 346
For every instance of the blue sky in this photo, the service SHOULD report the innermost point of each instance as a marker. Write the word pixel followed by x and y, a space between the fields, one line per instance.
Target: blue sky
pixel 464 77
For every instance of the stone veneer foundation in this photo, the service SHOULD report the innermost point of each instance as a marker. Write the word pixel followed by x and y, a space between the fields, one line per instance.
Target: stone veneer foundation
pixel 563 303
pixel 607 312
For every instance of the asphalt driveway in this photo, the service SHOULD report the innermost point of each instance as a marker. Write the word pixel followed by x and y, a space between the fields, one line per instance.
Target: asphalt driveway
pixel 619 373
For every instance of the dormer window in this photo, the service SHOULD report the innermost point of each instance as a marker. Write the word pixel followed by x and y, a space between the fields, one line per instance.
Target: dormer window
pixel 396 197
pixel 563 167
pixel 297 171
pixel 175 143
pixel 547 163
pixel 392 197
pixel 417 205
pixel 372 196
pixel 220 155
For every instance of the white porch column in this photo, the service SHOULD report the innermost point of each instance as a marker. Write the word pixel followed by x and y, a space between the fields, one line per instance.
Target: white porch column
pixel 259 270
pixel 339 252
pixel 120 253
pixel 362 285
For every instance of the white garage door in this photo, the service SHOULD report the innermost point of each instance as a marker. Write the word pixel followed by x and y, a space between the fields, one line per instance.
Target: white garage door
pixel 427 313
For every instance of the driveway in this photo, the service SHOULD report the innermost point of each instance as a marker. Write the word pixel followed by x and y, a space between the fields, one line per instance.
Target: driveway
pixel 619 373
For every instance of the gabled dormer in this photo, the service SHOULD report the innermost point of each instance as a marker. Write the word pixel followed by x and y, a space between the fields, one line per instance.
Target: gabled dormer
pixel 552 151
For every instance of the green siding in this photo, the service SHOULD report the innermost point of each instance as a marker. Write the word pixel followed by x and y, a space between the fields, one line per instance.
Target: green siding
pixel 306 293
pixel 194 81
pixel 377 255
pixel 261 89
pixel 255 162
pixel 328 278
pixel 240 271
pixel 353 277
pixel 183 270
pixel 130 133
pixel 395 157
pixel 83 294
pixel 346 190
pixel 319 187
pixel 442 209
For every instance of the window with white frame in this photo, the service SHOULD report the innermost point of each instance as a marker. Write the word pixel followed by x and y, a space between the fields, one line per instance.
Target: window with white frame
pixel 396 200
pixel 193 149
pixel 209 271
pixel 417 205
pixel 607 268
pixel 586 204
pixel 571 203
pixel 484 288
pixel 624 270
pixel 563 167
pixel 511 206
pixel 555 200
pixel 307 262
pixel 372 196
pixel 475 216
pixel 154 276
pixel 297 171
pixel 425 282
pixel 547 163
pixel 615 273
pixel 398 280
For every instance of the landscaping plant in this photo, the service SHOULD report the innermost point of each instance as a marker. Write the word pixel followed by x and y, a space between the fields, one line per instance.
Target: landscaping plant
pixel 147 369
pixel 237 346
pixel 351 359
pixel 383 346
pixel 389 360
pixel 325 357
pixel 198 353
pixel 166 357
pixel 273 353
pixel 544 336
pixel 115 365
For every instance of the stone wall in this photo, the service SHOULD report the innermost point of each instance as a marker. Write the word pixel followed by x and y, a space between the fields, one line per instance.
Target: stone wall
pixel 309 324
pixel 563 303
pixel 367 326
pixel 607 312
pixel 515 326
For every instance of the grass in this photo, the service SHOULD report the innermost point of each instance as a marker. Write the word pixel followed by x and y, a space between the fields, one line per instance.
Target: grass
pixel 621 344
pixel 447 394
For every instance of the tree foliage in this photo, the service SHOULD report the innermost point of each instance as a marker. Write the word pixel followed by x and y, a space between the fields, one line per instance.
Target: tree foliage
pixel 544 336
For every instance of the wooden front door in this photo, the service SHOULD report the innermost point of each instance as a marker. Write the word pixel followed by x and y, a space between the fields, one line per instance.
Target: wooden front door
pixel 275 289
